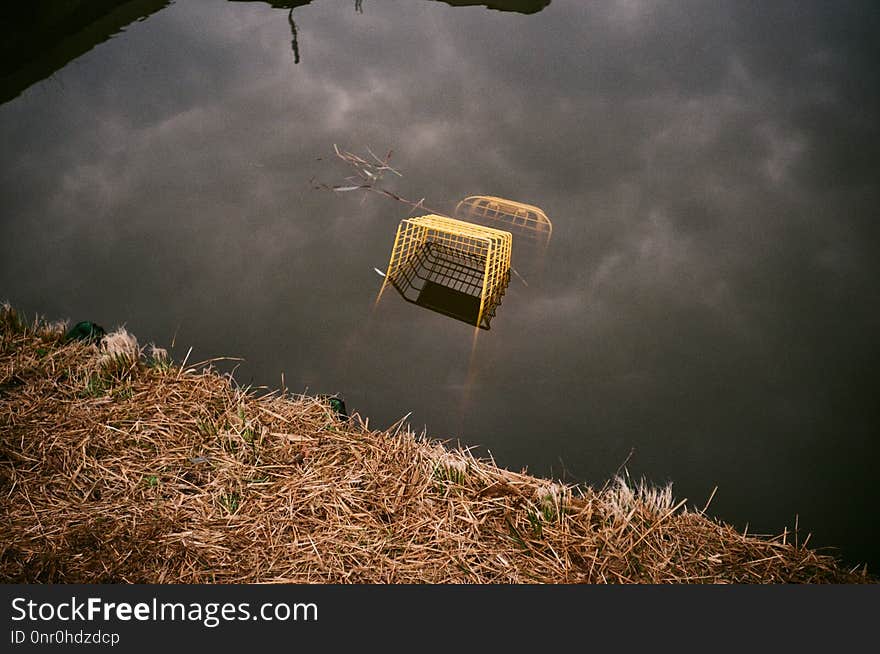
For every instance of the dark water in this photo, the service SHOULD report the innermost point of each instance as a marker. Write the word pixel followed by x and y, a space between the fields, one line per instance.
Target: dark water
pixel 707 311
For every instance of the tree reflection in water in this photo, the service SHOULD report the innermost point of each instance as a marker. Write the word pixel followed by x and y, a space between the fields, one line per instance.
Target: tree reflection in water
pixel 518 6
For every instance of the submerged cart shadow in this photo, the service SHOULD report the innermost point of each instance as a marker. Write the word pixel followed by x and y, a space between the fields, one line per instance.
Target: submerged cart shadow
pixel 441 279
pixel 454 267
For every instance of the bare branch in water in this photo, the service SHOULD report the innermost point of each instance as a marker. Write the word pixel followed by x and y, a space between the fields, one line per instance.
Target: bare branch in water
pixel 370 173
pixel 372 170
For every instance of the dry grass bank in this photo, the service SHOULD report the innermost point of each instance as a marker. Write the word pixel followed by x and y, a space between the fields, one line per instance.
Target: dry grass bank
pixel 119 466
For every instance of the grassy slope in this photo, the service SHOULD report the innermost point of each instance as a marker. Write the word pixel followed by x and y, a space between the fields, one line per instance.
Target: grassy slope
pixel 127 468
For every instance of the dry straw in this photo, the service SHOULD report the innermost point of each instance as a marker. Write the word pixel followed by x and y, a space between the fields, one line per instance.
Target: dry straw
pixel 119 466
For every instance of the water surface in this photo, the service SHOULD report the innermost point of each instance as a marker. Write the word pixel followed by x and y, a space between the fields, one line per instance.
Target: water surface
pixel 707 312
